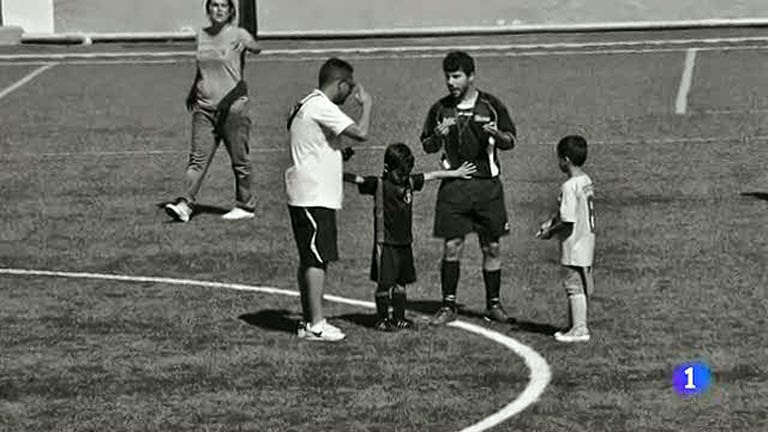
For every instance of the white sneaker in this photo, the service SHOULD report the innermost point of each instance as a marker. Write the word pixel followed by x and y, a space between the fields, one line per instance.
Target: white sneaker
pixel 237 213
pixel 180 211
pixel 576 334
pixel 322 331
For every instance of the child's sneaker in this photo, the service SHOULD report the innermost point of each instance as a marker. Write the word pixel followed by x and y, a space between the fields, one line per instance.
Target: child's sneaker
pixel 385 325
pixel 322 331
pixel 405 324
pixel 576 334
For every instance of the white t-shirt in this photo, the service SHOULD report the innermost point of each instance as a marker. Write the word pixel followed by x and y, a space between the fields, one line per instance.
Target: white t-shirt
pixel 315 177
pixel 576 197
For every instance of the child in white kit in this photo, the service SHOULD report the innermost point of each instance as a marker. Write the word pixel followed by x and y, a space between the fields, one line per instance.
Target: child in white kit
pixel 574 226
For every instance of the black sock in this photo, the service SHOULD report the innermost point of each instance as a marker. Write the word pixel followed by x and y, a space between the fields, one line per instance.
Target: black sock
pixel 399 301
pixel 492 281
pixel 449 278
pixel 383 301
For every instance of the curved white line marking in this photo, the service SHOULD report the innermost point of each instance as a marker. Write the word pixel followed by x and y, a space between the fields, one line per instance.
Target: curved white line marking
pixel 539 377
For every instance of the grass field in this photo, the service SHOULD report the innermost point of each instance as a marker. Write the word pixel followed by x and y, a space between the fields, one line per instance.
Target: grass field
pixel 89 152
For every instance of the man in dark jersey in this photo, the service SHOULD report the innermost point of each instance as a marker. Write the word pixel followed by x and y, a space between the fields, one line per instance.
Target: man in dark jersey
pixel 469 125
pixel 392 265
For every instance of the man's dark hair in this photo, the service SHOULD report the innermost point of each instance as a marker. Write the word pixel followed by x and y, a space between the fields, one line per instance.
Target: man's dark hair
pixel 334 69
pixel 232 9
pixel 574 147
pixel 459 61
pixel 398 158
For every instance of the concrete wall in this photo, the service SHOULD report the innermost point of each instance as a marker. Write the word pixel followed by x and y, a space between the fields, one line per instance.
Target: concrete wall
pixel 34 16
pixel 292 15
pixel 356 14
pixel 108 16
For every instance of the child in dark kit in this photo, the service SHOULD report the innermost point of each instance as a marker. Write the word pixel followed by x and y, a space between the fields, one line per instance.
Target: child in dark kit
pixel 392 265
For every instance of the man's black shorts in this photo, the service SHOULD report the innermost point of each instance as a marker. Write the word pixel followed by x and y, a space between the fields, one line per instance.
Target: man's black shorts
pixel 474 205
pixel 314 229
pixel 392 265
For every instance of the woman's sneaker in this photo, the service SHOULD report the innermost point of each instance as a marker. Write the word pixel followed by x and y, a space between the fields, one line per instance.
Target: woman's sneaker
pixel 322 331
pixel 180 210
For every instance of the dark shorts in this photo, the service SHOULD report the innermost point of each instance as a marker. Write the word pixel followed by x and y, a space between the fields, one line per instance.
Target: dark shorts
pixel 465 206
pixel 314 229
pixel 392 265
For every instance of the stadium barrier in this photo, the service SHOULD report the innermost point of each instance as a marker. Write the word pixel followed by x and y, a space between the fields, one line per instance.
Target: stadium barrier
pixel 87 21
pixel 88 38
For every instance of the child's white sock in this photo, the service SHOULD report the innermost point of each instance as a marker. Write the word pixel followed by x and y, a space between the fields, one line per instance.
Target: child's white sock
pixel 578 307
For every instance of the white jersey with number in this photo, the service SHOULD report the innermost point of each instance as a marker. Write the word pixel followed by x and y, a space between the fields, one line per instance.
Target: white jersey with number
pixel 315 177
pixel 576 206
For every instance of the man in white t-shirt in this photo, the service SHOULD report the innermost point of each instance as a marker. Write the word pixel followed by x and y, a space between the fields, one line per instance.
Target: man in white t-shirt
pixel 313 184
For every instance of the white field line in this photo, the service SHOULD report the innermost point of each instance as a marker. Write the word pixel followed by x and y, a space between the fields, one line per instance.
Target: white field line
pixel 398 50
pixel 732 111
pixel 127 153
pixel 544 53
pixel 686 79
pixel 538 379
pixel 540 373
pixel 175 59
pixel 142 153
pixel 29 77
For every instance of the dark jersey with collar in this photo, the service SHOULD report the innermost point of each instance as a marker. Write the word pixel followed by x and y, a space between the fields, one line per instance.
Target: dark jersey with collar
pixel 392 211
pixel 466 140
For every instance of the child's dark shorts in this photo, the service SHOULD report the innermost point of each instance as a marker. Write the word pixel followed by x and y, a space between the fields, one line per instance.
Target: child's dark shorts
pixel 392 265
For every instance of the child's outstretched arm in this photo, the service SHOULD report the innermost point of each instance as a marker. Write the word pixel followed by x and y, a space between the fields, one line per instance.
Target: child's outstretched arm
pixel 353 178
pixel 552 226
pixel 465 171
pixel 365 185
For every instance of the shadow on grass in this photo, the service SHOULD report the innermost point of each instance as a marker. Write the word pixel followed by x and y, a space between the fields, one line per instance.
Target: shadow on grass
pixel 361 319
pixel 431 306
pixel 759 195
pixel 209 209
pixel 280 320
pixel 427 307
pixel 534 327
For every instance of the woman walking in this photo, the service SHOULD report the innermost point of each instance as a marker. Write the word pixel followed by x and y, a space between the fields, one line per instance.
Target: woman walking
pixel 218 101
